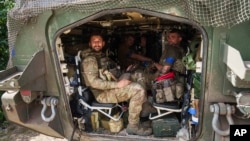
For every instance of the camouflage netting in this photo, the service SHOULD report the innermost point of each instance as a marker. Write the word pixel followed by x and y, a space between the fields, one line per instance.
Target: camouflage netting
pixel 206 12
pixel 214 13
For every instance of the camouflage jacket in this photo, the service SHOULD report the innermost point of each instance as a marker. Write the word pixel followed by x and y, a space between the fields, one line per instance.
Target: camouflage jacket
pixel 91 64
pixel 177 53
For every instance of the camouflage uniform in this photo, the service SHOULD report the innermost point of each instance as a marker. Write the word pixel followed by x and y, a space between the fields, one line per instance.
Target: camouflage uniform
pixel 107 91
pixel 177 53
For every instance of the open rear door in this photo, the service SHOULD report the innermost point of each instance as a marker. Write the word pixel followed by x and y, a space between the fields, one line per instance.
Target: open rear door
pixel 27 102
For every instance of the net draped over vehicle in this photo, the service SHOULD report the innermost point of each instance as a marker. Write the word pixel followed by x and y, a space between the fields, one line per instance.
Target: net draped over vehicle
pixel 216 13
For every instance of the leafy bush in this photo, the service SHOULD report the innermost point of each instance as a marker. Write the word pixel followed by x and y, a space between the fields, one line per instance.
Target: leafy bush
pixel 5 5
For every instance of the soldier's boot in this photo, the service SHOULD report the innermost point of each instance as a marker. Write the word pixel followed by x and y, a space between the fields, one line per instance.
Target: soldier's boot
pixel 147 109
pixel 147 124
pixel 135 129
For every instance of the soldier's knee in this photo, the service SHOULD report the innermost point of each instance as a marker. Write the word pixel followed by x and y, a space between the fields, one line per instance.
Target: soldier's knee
pixel 137 86
pixel 141 94
pixel 139 91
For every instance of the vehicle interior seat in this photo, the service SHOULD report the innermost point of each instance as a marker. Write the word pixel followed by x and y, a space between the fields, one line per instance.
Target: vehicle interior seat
pixel 164 109
pixel 89 100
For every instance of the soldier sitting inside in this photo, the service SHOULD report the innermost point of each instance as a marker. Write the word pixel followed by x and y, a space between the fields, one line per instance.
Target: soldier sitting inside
pixel 171 62
pixel 126 54
pixel 112 90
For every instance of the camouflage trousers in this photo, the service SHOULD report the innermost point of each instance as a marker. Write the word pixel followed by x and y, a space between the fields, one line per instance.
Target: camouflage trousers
pixel 133 92
pixel 139 77
pixel 143 78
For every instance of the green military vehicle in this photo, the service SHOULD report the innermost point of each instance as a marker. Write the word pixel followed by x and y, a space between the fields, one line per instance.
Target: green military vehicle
pixel 46 36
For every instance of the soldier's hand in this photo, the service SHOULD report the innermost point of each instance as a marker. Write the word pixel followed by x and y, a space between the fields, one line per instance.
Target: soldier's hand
pixel 129 68
pixel 132 68
pixel 123 82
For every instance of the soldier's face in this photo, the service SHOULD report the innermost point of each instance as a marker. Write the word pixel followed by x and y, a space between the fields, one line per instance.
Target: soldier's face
pixel 174 38
pixel 96 43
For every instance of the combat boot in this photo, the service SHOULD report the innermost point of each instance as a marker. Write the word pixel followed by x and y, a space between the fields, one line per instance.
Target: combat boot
pixel 135 129
pixel 147 109
pixel 145 122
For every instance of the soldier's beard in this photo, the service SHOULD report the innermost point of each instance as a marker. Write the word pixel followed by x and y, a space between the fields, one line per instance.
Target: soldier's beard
pixel 97 48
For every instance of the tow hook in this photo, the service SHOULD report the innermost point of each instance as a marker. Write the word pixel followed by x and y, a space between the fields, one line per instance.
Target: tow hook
pixel 222 109
pixel 52 102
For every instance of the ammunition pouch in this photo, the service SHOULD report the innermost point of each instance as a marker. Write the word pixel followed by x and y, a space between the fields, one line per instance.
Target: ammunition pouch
pixel 165 90
pixel 179 90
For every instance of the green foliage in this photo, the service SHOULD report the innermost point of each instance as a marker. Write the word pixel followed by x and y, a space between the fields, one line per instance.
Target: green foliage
pixel 5 5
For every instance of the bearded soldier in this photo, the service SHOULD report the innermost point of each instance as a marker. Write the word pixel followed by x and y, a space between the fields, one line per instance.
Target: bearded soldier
pixel 171 61
pixel 108 89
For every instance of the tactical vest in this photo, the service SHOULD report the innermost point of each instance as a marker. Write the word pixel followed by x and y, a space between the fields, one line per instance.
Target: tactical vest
pixel 105 64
